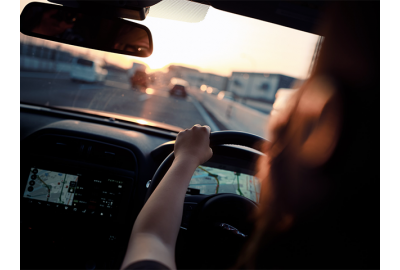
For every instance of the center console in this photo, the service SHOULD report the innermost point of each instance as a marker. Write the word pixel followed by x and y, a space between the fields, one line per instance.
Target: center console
pixel 77 191
pixel 76 196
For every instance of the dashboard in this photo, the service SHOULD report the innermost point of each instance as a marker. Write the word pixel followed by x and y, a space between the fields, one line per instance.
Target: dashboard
pixel 84 181
pixel 214 178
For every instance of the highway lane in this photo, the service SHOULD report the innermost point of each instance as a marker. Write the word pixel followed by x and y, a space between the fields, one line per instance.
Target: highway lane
pixel 114 95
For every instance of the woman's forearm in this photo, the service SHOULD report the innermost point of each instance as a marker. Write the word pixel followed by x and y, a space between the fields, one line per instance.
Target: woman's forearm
pixel 157 226
pixel 162 214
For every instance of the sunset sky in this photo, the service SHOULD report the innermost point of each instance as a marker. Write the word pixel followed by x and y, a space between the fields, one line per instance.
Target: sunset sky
pixel 220 44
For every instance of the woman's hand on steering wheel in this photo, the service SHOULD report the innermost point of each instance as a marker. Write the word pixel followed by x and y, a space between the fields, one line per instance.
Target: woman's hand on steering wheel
pixel 193 144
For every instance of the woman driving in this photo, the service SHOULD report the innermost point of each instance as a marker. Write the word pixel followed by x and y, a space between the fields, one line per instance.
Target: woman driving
pixel 319 205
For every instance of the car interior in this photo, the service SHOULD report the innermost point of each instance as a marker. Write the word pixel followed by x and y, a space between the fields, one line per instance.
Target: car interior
pixel 87 172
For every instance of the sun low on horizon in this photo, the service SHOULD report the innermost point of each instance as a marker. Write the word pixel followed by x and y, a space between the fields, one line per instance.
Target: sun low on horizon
pixel 224 43
pixel 220 44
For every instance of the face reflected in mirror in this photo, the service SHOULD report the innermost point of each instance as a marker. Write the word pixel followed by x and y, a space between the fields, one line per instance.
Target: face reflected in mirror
pixel 86 30
pixel 132 39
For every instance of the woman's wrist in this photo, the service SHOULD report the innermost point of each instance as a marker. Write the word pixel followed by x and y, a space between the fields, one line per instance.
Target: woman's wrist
pixel 187 164
pixel 189 160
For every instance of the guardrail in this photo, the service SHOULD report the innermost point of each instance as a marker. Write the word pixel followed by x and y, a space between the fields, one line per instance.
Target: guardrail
pixel 233 115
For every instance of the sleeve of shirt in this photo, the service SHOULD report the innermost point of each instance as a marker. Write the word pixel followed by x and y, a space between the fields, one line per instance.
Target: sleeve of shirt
pixel 146 265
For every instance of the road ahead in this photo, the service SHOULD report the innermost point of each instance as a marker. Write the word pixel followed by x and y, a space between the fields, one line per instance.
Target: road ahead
pixel 114 95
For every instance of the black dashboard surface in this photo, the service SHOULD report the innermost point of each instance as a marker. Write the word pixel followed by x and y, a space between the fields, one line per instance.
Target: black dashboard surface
pixel 140 142
pixel 68 234
pixel 104 156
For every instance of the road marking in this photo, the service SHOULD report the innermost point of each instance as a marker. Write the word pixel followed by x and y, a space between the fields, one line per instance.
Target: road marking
pixel 116 84
pixel 144 97
pixel 205 115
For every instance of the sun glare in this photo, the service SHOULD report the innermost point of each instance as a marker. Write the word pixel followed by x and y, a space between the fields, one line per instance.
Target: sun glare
pixel 224 43
pixel 149 91
pixel 143 122
pixel 220 44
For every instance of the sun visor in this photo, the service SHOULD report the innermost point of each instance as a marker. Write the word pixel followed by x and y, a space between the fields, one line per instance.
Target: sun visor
pixel 179 10
pixel 129 9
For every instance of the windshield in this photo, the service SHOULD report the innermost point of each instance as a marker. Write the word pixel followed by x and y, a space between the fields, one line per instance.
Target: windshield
pixel 179 84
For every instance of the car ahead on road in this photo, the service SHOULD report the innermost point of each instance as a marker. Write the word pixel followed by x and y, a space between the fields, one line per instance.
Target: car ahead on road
pixel 138 77
pixel 91 155
pixel 87 71
pixel 178 91
pixel 139 80
pixel 178 87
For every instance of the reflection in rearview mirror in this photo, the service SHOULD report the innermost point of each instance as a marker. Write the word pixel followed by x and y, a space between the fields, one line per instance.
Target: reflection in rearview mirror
pixel 72 26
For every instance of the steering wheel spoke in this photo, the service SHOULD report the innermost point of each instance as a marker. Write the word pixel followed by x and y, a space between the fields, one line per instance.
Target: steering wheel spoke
pixel 216 227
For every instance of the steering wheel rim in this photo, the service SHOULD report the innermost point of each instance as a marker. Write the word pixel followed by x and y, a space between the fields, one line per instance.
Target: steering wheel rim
pixel 204 216
pixel 216 138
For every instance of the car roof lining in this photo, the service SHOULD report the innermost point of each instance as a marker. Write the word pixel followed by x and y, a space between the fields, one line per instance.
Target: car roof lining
pixel 301 15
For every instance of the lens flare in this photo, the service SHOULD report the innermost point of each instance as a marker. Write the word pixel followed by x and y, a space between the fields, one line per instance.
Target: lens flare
pixel 143 122
pixel 149 91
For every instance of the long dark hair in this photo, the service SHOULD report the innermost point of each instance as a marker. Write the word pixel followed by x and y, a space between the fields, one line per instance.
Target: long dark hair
pixel 327 216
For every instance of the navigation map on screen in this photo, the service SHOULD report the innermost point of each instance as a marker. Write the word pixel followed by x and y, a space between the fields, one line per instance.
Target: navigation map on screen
pixel 49 186
pixel 210 180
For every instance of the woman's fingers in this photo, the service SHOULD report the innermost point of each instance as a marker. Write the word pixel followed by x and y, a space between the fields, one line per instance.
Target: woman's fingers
pixel 194 143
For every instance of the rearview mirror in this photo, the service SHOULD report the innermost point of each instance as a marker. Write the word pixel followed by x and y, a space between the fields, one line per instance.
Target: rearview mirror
pixel 75 27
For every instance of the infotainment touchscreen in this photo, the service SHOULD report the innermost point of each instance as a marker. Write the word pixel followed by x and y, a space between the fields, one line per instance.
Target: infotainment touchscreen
pixel 84 193
pixel 49 186
pixel 208 180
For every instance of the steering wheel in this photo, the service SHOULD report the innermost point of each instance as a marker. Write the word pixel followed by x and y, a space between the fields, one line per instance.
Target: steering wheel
pixel 220 223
